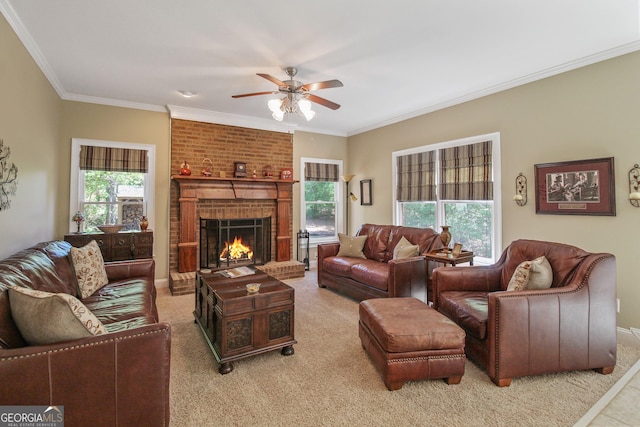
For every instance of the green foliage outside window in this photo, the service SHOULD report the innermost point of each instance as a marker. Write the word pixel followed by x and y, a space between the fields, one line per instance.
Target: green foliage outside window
pixel 471 224
pixel 101 196
pixel 320 206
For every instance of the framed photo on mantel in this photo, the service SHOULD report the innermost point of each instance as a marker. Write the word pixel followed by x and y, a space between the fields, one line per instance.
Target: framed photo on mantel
pixel 579 187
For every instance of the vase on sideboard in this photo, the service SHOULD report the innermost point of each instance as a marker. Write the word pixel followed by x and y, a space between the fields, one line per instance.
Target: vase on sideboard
pixel 144 223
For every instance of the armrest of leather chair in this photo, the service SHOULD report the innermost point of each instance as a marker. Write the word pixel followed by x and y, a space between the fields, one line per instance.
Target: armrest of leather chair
pixel 122 270
pixel 470 279
pixel 552 330
pixel 407 278
pixel 120 378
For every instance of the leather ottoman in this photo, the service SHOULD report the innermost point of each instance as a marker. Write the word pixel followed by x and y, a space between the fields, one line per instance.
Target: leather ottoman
pixel 408 340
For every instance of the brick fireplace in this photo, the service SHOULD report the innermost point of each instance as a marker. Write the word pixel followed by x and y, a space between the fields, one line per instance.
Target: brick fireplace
pixel 197 196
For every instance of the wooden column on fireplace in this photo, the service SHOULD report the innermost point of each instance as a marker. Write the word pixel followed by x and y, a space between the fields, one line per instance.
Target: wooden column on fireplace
pixel 196 188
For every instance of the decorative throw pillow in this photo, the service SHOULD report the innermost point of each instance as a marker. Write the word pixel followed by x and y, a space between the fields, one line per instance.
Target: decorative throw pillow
pixel 541 276
pixel 46 318
pixel 89 268
pixel 520 277
pixel 404 249
pixel 351 246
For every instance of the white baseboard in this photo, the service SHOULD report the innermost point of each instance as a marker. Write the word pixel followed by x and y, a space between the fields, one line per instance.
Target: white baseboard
pixel 162 283
pixel 629 336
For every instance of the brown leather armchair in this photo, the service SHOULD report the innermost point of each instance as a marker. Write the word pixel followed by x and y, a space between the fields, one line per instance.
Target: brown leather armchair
pixel 571 326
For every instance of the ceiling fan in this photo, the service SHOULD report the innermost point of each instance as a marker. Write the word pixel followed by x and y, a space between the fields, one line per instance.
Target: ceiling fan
pixel 295 95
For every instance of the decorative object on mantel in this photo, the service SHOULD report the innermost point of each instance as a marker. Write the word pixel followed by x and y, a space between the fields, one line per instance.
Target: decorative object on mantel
pixel 254 175
pixel 445 236
pixel 521 190
pixel 8 177
pixel 267 171
pixel 239 169
pixel 184 169
pixel 206 166
pixel 634 186
pixel 144 223
pixel 286 174
pixel 78 218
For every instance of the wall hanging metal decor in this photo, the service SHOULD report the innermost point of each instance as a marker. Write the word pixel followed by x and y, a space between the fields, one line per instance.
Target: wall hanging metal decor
pixel 8 177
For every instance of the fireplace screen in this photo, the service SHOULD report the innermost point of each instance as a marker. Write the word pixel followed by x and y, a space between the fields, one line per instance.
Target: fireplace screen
pixel 234 242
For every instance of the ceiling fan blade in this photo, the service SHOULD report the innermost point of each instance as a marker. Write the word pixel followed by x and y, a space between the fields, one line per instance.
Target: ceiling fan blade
pixel 322 85
pixel 252 94
pixel 272 79
pixel 322 101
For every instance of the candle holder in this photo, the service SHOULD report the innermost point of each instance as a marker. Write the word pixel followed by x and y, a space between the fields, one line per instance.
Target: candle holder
pixel 634 186
pixel 521 190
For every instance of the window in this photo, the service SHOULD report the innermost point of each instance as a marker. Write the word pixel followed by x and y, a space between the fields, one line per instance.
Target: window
pixel 452 183
pixel 111 183
pixel 321 195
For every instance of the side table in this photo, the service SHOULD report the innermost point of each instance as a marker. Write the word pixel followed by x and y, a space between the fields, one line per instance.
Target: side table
pixel 445 258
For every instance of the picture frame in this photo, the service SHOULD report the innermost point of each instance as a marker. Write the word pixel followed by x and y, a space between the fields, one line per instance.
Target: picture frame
pixel 578 187
pixel 365 193
pixel 457 249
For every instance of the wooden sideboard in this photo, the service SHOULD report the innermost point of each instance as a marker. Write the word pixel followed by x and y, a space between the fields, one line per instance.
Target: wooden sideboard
pixel 120 246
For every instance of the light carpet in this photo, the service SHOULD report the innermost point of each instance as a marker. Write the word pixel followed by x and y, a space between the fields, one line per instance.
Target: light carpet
pixel 330 381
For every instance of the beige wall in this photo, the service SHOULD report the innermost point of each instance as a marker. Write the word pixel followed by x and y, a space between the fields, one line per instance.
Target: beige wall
pixel 587 113
pixel 30 112
pixel 92 121
pixel 307 144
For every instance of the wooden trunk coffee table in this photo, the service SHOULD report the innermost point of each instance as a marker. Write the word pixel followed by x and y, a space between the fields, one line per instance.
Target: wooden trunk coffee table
pixel 237 324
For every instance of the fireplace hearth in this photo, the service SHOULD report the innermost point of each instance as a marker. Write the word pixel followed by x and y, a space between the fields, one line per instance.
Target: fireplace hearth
pixel 228 243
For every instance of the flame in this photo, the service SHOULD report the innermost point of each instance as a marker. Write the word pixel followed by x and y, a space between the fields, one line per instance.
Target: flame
pixel 236 250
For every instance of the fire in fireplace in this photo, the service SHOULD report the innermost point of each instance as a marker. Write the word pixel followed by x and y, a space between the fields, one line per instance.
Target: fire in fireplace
pixel 234 242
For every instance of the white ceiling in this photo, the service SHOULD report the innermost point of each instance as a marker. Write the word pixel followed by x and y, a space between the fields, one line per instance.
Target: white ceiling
pixel 397 59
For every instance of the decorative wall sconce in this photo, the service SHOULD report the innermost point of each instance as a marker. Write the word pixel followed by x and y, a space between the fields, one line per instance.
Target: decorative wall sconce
pixel 352 197
pixel 634 184
pixel 521 190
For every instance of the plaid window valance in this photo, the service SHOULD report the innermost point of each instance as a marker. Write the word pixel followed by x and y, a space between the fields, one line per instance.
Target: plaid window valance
pixel 416 179
pixel 113 159
pixel 321 172
pixel 466 172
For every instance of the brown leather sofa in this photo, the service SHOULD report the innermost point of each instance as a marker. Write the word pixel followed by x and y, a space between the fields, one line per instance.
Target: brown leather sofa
pixel 378 275
pixel 570 326
pixel 119 378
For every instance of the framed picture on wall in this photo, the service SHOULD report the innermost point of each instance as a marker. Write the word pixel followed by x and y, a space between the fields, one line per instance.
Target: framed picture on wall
pixel 579 187
pixel 365 193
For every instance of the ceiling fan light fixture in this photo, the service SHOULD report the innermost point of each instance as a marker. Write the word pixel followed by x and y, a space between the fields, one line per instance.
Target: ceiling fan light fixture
pixel 275 105
pixel 304 106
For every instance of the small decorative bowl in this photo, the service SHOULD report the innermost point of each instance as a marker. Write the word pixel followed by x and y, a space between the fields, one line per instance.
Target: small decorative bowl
pixel 253 288
pixel 113 228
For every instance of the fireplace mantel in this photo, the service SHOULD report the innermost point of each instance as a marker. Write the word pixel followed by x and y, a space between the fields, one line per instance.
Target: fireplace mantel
pixel 196 188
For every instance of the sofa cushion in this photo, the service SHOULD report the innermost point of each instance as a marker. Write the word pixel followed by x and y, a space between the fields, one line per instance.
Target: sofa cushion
pixel 371 273
pixel 88 265
pixel 340 266
pixel 404 249
pixel 123 302
pixel 468 309
pixel 351 246
pixel 46 318
pixel 375 247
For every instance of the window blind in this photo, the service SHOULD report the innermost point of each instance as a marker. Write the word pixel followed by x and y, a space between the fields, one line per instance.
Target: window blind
pixel 113 159
pixel 320 172
pixel 466 172
pixel 416 177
